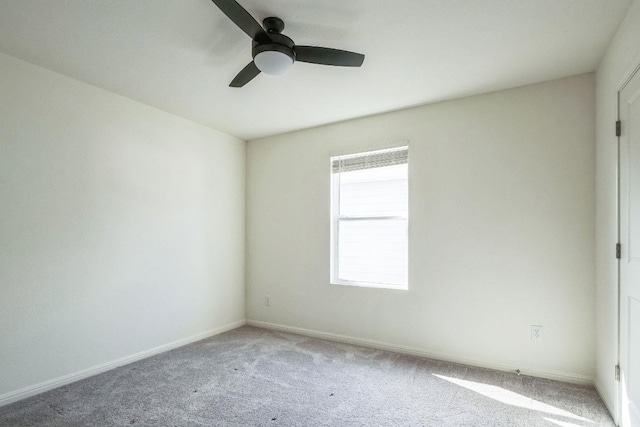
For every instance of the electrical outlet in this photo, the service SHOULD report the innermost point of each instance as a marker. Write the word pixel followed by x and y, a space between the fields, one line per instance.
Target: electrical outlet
pixel 267 300
pixel 536 333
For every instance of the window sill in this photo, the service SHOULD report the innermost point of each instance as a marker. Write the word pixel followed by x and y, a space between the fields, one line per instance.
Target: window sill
pixel 370 285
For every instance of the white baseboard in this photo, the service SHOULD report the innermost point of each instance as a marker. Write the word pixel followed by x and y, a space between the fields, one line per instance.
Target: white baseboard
pixel 23 393
pixel 552 375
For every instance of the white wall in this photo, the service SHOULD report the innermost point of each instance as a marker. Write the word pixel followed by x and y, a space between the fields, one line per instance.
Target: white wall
pixel 121 229
pixel 620 60
pixel 501 230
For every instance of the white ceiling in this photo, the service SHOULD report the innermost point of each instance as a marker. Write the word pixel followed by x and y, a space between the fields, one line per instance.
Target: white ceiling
pixel 180 55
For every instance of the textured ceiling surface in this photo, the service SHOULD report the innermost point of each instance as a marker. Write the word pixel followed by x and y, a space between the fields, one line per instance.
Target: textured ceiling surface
pixel 180 55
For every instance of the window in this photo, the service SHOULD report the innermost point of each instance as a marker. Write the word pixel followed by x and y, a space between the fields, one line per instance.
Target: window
pixel 369 218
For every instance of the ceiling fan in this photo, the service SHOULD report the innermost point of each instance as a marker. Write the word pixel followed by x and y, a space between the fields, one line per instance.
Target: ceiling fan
pixel 274 53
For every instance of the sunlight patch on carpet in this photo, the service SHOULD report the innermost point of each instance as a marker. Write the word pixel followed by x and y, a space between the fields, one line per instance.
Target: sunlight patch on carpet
pixel 511 398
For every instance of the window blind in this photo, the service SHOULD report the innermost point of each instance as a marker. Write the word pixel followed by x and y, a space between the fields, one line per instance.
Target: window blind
pixel 374 159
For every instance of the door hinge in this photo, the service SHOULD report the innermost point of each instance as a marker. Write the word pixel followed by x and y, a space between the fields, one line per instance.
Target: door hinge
pixel 617 372
pixel 618 251
pixel 618 128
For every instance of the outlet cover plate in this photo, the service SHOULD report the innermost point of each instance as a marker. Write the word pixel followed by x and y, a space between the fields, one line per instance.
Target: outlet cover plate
pixel 536 333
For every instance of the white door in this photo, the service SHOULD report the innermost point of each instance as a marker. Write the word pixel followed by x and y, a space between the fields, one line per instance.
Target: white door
pixel 630 253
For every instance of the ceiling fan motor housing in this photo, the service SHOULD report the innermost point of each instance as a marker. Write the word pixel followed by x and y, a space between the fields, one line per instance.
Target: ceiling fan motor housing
pixel 279 42
pixel 274 56
pixel 282 44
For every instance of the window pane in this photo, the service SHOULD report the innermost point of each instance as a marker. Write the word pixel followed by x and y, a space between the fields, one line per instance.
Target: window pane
pixel 374 192
pixel 373 251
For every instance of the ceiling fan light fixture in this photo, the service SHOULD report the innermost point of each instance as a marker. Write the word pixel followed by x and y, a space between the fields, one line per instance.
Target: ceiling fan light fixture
pixel 274 61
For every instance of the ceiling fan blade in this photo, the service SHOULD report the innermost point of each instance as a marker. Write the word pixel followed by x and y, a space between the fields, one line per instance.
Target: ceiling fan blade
pixel 242 19
pixel 328 56
pixel 245 76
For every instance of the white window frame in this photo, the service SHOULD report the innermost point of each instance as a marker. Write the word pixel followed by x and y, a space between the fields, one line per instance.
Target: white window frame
pixel 336 218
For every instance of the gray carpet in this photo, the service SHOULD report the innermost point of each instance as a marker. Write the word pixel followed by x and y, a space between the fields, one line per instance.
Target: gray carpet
pixel 256 377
